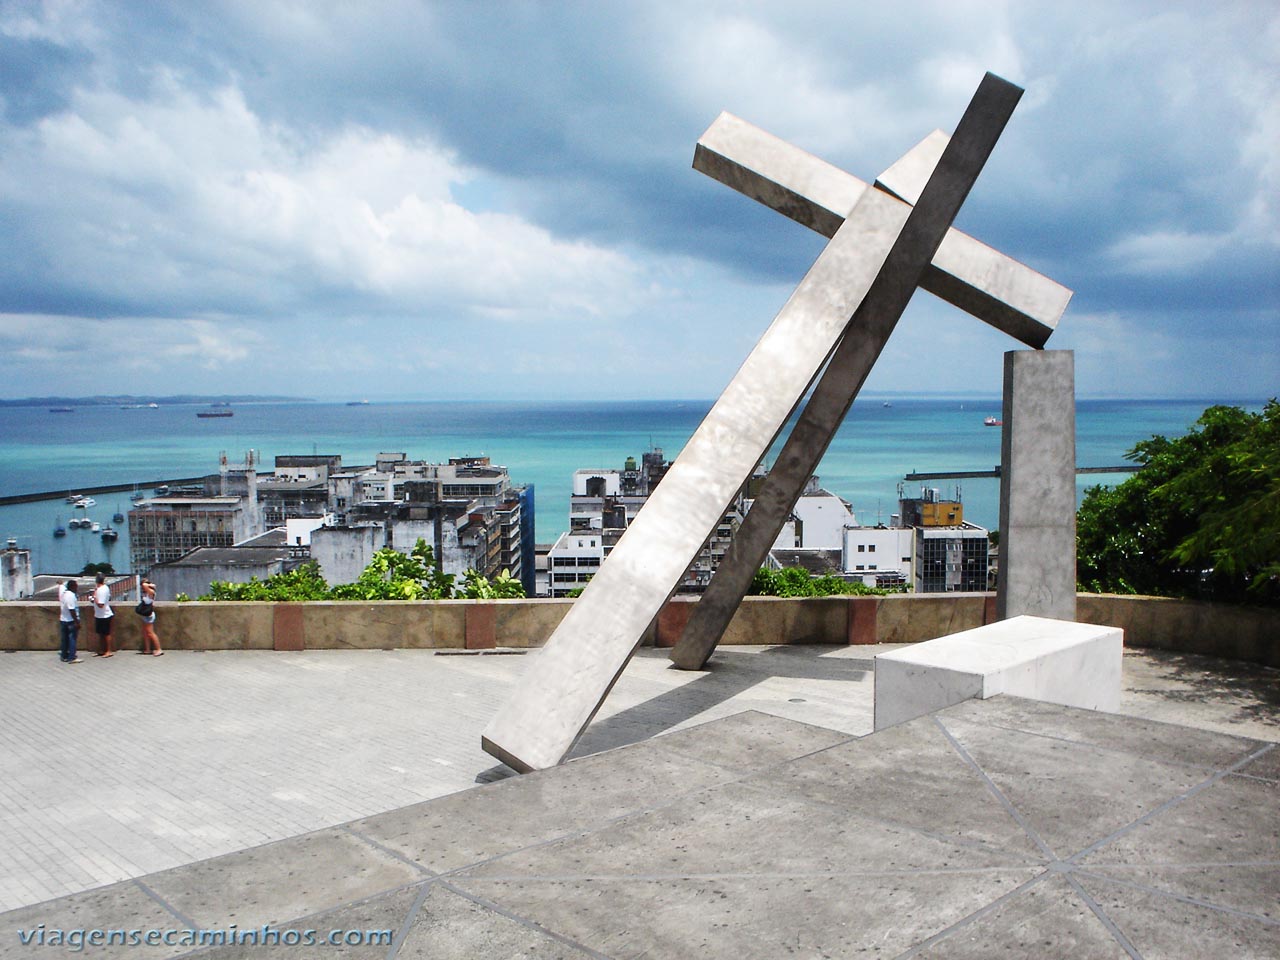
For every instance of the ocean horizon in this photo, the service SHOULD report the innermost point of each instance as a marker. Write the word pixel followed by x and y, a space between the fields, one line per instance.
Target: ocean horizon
pixel 885 436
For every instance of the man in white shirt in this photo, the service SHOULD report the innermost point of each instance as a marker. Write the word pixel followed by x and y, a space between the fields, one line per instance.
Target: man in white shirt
pixel 104 617
pixel 68 620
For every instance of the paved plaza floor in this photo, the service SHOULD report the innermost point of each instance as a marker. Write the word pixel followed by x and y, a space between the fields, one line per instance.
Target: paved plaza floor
pixel 136 767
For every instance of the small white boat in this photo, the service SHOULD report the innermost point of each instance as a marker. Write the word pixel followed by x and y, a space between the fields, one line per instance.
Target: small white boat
pixel 86 502
pixel 95 527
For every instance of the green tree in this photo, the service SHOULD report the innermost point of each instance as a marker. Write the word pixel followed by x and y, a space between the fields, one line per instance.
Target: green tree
pixel 302 583
pixel 392 575
pixel 93 569
pixel 1201 518
pixel 475 586
pixel 797 582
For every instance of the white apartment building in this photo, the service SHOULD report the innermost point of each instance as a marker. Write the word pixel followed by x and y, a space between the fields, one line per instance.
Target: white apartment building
pixel 879 556
pixel 574 559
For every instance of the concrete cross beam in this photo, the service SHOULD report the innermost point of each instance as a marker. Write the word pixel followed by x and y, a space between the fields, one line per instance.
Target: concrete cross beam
pixel 981 281
pixel 870 268
pixel 808 190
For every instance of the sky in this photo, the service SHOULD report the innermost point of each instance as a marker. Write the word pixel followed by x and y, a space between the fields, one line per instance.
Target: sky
pixel 415 200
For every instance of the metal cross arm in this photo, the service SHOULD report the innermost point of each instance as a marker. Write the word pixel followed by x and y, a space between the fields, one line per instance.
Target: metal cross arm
pixel 964 272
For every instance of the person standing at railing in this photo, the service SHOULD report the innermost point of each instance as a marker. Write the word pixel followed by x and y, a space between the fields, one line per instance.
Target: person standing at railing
pixel 104 618
pixel 148 603
pixel 68 621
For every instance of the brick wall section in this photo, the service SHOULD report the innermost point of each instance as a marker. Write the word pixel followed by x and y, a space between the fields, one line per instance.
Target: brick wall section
pixel 481 626
pixel 286 627
pixel 863 612
pixel 672 619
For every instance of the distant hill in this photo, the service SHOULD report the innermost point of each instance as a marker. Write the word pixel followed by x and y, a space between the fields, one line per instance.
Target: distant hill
pixel 115 401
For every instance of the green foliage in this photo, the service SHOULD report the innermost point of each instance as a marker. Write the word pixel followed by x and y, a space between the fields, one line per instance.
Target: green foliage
pixel 503 587
pixel 390 575
pixel 93 569
pixel 182 597
pixel 1201 518
pixel 304 583
pixel 796 582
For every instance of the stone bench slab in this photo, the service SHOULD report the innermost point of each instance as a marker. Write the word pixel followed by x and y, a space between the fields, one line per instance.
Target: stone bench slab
pixel 1056 661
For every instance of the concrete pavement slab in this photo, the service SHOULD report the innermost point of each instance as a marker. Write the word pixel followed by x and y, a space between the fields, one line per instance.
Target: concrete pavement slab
pixel 1266 766
pixel 744 830
pixel 912 776
pixel 367 930
pixel 453 926
pixel 1245 888
pixel 756 867
pixel 1137 736
pixel 1068 795
pixel 1232 820
pixel 126 906
pixel 465 828
pixel 1164 928
pixel 279 881
pixel 733 917
pixel 1047 919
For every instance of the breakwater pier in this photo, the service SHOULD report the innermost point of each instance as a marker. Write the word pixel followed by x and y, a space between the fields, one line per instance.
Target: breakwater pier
pixel 103 488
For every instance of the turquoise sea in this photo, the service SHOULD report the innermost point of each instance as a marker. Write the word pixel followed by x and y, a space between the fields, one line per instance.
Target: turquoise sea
pixel 539 442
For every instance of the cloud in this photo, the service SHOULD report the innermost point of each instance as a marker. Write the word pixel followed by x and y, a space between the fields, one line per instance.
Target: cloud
pixel 192 201
pixel 420 192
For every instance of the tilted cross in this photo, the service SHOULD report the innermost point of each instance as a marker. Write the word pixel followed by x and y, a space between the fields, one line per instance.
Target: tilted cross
pixel 970 275
pixel 856 290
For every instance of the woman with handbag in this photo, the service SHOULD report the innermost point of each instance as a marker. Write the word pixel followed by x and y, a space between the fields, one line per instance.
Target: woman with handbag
pixel 146 609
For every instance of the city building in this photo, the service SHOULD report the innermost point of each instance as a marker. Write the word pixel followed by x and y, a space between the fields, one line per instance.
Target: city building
pixel 195 572
pixel 949 553
pixel 16 581
pixel 603 504
pixel 164 529
pixel 879 556
pixel 817 520
pixel 297 489
pixel 467 510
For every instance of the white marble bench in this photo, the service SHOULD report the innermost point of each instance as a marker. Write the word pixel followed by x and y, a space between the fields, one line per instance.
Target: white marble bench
pixel 1073 664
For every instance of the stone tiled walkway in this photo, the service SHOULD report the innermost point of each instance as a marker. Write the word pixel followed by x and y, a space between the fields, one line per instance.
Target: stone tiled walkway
pixel 122 768
pixel 995 828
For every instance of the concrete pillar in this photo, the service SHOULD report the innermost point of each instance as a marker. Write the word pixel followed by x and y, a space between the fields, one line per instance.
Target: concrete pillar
pixel 1038 486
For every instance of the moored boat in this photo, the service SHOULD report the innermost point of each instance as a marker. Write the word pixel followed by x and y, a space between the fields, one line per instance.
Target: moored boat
pixel 110 534
pixel 993 422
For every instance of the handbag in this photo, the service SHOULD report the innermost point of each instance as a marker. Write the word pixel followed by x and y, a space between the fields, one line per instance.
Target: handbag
pixel 143 609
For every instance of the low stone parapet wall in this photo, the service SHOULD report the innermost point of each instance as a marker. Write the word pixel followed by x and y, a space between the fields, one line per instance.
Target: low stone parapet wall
pixel 1241 633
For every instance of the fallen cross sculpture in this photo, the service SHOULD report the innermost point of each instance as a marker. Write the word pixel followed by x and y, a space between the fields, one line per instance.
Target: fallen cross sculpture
pixel 1009 296
pixel 880 250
